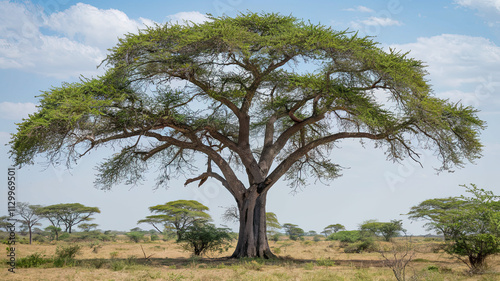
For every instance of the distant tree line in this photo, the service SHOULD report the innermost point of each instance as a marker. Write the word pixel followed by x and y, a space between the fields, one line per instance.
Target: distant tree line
pixel 61 216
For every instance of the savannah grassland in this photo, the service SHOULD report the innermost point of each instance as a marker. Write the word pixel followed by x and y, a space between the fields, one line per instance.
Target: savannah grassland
pixel 299 260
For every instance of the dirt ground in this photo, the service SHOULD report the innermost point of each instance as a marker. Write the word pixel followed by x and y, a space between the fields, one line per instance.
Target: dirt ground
pixel 299 260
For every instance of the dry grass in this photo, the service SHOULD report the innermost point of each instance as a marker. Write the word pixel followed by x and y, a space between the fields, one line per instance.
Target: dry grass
pixel 300 260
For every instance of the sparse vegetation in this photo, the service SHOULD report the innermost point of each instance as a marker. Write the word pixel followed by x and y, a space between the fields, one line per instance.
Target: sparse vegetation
pixel 297 261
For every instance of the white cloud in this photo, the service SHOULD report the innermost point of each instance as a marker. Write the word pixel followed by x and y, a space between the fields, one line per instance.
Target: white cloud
pixel 380 21
pixel 24 46
pixel 16 111
pixel 487 9
pixel 182 17
pixel 361 9
pixel 93 26
pixel 78 40
pixel 79 37
pixel 480 4
pixel 461 67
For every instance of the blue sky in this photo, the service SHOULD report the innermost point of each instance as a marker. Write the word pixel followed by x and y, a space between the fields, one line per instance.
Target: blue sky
pixel 44 43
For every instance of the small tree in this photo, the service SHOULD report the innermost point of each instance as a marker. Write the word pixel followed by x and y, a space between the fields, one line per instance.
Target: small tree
pixel 203 238
pixel 87 227
pixel 178 215
pixel 332 228
pixel 399 257
pixel 293 231
pixel 348 236
pixel 135 236
pixel 471 225
pixel 387 230
pixel 4 223
pixel 68 215
pixel 53 232
pixel 311 233
pixel 29 216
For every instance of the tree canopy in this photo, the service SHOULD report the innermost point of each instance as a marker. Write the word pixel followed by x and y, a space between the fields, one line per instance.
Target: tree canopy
pixel 269 93
pixel 293 231
pixel 272 223
pixel 29 216
pixel 471 225
pixel 332 228
pixel 387 230
pixel 178 215
pixel 67 214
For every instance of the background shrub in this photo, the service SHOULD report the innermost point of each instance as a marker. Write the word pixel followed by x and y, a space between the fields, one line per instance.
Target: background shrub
pixel 349 236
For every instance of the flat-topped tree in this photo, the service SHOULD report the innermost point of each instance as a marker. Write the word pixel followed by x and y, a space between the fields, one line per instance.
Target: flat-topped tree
pixel 178 215
pixel 266 92
pixel 67 214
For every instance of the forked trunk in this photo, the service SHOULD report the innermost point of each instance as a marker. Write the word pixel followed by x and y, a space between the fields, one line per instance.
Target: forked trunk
pixel 252 239
pixel 477 263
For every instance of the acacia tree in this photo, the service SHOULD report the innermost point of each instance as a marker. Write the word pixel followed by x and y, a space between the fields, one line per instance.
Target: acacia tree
pixel 178 215
pixel 29 216
pixel 293 231
pixel 332 228
pixel 470 225
pixel 87 227
pixel 434 211
pixel 5 224
pixel 384 229
pixel 266 92
pixel 69 215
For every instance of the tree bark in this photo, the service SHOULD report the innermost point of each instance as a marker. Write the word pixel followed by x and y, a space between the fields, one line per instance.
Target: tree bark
pixel 29 228
pixel 252 238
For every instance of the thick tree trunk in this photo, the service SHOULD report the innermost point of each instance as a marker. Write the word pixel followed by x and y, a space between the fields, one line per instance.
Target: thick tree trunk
pixel 252 239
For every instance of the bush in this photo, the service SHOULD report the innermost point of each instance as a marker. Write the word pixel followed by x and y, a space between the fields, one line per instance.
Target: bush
pixel 203 238
pixel 364 245
pixel 325 262
pixel 68 252
pixel 33 260
pixel 97 263
pixel 39 238
pixel 64 236
pixel 65 256
pixel 155 237
pixel 349 236
pixel 135 236
pixel 317 238
pixel 433 268
pixel 276 237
